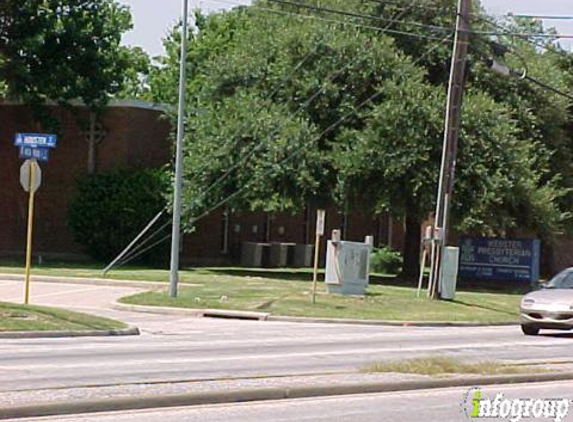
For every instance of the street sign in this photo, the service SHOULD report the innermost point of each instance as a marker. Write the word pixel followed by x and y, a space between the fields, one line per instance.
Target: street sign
pixel 26 170
pixel 320 217
pixel 40 154
pixel 35 140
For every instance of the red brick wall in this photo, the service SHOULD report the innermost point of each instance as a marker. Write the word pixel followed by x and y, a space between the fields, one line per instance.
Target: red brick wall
pixel 136 138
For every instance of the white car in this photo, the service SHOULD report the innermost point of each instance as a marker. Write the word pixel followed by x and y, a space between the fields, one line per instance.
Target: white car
pixel 551 307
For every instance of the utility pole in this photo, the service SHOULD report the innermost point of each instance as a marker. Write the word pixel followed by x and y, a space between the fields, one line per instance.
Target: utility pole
pixel 450 145
pixel 176 230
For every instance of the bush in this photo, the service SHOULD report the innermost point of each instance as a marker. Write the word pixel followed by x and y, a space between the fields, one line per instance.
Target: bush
pixel 386 261
pixel 110 209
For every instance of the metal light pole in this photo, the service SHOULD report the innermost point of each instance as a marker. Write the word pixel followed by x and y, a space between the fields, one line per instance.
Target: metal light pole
pixel 175 236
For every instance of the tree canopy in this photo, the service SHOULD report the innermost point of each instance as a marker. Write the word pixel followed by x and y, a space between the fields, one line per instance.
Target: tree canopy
pixel 358 108
pixel 63 50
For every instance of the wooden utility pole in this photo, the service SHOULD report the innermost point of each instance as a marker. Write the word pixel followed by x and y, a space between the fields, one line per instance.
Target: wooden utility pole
pixel 450 145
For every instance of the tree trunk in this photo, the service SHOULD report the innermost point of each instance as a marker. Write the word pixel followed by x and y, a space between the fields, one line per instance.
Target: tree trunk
pixel 412 239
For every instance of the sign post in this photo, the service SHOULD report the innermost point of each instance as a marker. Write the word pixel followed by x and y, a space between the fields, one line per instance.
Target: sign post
pixel 33 147
pixel 29 170
pixel 320 217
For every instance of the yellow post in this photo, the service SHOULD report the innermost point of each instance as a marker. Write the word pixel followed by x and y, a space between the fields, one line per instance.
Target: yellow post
pixel 320 217
pixel 315 272
pixel 30 230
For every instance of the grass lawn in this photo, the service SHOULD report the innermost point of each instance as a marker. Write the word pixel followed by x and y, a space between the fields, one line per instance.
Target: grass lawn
pixel 292 298
pixel 139 273
pixel 38 318
pixel 287 292
pixel 443 366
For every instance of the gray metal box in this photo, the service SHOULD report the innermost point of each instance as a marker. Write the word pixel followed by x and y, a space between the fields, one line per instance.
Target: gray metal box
pixel 303 255
pixel 281 254
pixel 254 254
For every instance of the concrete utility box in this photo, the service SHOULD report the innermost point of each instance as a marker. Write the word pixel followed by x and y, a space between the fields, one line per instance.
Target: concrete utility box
pixel 303 256
pixel 347 265
pixel 449 273
pixel 255 254
pixel 281 254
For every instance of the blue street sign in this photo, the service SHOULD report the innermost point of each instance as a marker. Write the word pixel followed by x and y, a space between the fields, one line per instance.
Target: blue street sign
pixel 499 259
pixel 35 140
pixel 40 154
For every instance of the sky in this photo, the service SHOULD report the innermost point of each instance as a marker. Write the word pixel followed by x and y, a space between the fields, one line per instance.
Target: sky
pixel 153 18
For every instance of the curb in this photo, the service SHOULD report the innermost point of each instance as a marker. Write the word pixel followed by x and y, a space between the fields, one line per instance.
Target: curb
pixel 261 316
pixel 129 331
pixel 90 281
pixel 196 313
pixel 391 323
pixel 265 394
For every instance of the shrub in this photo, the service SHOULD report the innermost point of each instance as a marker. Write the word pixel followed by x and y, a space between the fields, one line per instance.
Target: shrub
pixel 386 261
pixel 110 209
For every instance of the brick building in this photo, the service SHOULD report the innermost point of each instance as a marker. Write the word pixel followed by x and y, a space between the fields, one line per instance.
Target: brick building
pixel 133 135
pixel 128 135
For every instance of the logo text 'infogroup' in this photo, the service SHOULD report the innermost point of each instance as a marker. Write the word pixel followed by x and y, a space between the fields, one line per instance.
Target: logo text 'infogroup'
pixel 515 410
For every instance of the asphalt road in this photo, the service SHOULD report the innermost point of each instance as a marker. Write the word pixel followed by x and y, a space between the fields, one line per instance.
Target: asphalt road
pixel 182 348
pixel 415 406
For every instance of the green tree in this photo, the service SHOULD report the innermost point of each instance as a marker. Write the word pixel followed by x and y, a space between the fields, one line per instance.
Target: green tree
pixel 110 209
pixel 251 71
pixel 136 74
pixel 62 50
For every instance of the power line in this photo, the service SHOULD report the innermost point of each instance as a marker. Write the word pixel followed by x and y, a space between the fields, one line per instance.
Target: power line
pixel 412 4
pixel 507 32
pixel 540 17
pixel 297 151
pixel 333 21
pixel 356 15
pixel 524 34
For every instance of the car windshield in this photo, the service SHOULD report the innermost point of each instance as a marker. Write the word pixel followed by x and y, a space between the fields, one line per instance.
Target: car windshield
pixel 563 280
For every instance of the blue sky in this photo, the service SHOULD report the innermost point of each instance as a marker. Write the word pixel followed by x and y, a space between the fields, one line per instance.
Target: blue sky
pixel 153 18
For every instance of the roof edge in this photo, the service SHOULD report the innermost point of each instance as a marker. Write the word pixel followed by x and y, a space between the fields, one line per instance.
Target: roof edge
pixel 113 103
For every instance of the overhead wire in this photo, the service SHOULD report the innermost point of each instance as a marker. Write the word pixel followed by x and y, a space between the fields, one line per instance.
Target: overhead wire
pixel 524 34
pixel 507 32
pixel 526 76
pixel 329 20
pixel 539 17
pixel 410 4
pixel 357 15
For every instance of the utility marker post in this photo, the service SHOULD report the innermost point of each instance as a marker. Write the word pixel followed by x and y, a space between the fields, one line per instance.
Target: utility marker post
pixel 320 218
pixel 176 230
pixel 450 145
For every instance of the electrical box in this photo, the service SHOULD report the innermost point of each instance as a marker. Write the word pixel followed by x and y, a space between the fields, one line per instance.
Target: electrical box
pixel 347 266
pixel 449 273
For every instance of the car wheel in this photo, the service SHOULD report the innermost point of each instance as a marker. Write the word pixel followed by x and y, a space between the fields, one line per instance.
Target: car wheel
pixel 530 330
